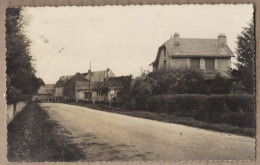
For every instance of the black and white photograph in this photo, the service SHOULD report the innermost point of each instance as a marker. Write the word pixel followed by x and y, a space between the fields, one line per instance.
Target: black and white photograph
pixel 130 83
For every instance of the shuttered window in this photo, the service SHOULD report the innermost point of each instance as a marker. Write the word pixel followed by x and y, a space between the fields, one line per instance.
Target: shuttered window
pixel 209 63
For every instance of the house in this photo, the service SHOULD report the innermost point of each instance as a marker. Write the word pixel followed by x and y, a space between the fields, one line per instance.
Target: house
pixel 210 56
pixel 99 76
pixel 65 86
pixel 85 91
pixel 76 87
pixel 58 88
pixel 45 93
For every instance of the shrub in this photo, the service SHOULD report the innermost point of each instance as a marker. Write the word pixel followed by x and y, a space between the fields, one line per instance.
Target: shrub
pixel 238 110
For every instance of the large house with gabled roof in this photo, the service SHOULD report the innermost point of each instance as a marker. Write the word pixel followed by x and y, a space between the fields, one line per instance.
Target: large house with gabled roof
pixel 210 56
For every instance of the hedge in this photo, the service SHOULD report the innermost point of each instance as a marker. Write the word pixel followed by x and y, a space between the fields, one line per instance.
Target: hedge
pixel 237 110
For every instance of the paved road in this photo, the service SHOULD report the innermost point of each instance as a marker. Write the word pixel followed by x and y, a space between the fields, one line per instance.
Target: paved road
pixel 109 136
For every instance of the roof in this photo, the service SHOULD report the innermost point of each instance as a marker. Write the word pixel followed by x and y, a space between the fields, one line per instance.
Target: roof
pixel 98 76
pixel 195 47
pixel 47 89
pixel 62 80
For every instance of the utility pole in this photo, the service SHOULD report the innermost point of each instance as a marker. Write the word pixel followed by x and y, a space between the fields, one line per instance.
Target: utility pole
pixel 89 72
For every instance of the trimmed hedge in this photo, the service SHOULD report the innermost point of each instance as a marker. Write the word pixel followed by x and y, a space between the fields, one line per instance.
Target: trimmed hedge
pixel 237 110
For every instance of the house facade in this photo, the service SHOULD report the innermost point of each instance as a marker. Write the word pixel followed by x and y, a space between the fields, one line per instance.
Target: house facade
pixel 209 56
pixel 81 85
pixel 85 91
pixel 65 86
pixel 45 93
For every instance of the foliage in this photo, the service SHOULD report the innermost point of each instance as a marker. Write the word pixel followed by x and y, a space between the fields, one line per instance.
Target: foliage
pixel 20 71
pixel 179 82
pixel 143 86
pixel 237 110
pixel 220 85
pixel 244 72
pixel 13 94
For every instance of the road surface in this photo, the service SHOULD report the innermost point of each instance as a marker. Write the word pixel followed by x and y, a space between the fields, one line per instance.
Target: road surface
pixel 108 136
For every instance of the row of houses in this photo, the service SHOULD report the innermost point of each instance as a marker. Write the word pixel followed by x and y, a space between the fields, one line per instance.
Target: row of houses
pixel 210 56
pixel 90 86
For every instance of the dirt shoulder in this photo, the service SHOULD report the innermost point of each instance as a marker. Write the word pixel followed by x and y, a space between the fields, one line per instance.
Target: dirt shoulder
pixel 32 137
pixel 221 127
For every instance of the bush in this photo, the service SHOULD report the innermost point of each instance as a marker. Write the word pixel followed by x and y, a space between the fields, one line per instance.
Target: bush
pixel 238 110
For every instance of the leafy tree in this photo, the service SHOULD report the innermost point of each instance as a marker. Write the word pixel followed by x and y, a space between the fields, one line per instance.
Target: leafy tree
pixel 21 78
pixel 244 72
pixel 142 88
pixel 179 82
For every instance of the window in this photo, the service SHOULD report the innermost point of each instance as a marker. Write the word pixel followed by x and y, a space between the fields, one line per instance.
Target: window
pixel 209 63
pixel 88 95
pixel 194 63
pixel 164 64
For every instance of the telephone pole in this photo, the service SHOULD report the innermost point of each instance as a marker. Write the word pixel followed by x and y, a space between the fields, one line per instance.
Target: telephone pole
pixel 89 72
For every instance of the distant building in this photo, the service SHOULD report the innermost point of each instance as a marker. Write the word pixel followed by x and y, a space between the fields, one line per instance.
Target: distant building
pixel 45 93
pixel 65 86
pixel 210 56
pixel 60 85
pixel 99 76
pixel 85 90
pixel 80 86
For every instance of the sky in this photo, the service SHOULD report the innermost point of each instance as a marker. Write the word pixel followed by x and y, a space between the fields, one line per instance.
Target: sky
pixel 122 38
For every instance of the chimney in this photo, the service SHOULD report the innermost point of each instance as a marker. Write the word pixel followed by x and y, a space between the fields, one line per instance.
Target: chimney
pixel 222 40
pixel 176 39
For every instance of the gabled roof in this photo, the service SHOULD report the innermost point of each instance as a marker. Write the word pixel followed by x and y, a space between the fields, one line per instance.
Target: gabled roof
pixel 197 47
pixel 98 76
pixel 62 80
pixel 194 47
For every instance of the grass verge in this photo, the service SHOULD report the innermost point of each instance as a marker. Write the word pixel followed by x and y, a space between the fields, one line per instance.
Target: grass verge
pixel 33 137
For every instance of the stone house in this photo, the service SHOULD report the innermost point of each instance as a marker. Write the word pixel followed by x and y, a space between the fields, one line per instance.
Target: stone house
pixel 210 56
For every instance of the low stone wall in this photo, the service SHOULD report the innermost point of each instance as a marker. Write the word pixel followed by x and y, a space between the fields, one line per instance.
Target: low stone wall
pixel 10 111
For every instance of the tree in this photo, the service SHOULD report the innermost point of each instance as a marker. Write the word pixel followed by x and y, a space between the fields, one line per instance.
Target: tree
pixel 142 88
pixel 179 82
pixel 21 78
pixel 244 72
